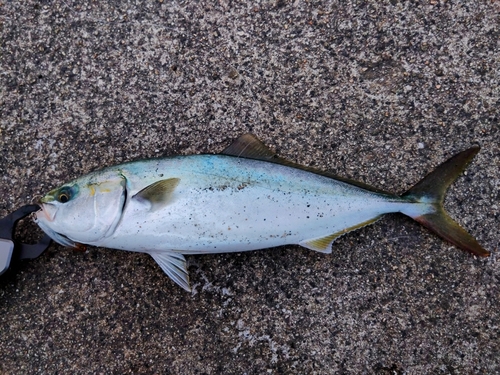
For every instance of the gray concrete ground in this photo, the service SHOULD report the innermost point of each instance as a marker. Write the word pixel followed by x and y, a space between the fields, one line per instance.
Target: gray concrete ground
pixel 379 91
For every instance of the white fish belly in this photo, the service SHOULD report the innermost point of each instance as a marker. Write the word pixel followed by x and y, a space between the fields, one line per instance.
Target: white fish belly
pixel 226 204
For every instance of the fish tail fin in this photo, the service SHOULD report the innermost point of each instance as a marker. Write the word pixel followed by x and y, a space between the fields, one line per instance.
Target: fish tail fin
pixel 431 191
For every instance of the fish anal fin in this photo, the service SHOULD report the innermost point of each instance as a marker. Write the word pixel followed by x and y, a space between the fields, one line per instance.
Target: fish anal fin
pixel 249 146
pixel 174 265
pixel 157 194
pixel 321 244
pixel 324 244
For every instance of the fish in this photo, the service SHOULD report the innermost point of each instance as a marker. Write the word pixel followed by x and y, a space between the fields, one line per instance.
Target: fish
pixel 245 198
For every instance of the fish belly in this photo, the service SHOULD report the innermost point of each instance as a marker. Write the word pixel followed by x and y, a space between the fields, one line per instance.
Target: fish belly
pixel 226 204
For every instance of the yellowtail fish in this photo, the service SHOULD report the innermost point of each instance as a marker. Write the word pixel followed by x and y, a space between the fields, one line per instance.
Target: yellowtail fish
pixel 245 198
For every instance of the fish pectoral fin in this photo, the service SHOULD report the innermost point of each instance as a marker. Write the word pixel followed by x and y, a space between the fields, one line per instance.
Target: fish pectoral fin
pixel 174 265
pixel 324 244
pixel 158 194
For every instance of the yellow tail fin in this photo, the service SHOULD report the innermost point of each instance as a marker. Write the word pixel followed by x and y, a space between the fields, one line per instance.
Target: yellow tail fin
pixel 431 190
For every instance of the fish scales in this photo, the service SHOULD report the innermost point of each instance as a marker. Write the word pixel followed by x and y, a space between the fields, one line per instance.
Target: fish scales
pixel 226 204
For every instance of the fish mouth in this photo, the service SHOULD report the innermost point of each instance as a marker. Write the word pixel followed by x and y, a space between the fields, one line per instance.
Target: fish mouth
pixel 42 218
pixel 46 212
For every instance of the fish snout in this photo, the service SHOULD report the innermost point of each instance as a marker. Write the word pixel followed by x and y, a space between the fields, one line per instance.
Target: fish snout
pixel 47 212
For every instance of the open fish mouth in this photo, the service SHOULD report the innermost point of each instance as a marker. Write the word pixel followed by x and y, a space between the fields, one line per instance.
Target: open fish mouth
pixel 46 212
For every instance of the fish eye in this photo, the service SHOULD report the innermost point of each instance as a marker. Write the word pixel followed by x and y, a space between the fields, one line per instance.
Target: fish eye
pixel 64 195
pixel 63 198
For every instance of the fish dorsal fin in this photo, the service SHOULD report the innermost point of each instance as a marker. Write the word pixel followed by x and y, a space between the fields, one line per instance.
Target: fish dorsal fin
pixel 157 194
pixel 174 265
pixel 249 146
pixel 324 244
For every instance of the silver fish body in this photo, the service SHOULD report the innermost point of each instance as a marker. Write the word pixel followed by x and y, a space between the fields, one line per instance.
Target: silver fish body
pixel 243 199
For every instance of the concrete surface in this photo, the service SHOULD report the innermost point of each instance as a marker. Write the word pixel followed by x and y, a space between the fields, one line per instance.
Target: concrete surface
pixel 379 91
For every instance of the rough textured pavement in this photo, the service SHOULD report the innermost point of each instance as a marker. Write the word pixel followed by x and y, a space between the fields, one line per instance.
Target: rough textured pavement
pixel 379 91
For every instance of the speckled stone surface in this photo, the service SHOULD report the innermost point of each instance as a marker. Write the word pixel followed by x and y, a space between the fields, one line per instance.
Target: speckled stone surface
pixel 377 91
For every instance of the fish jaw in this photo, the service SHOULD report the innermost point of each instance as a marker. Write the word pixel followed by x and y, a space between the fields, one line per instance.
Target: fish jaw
pixel 47 212
pixel 44 218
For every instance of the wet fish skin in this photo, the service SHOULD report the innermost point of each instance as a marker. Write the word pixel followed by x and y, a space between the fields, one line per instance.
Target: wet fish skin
pixel 244 199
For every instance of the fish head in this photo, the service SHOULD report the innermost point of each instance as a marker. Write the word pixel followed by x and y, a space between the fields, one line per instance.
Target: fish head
pixel 86 210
